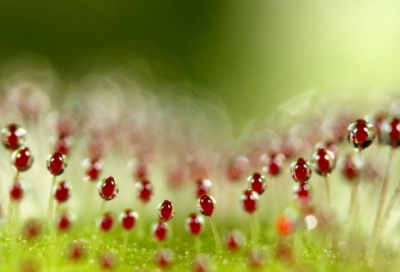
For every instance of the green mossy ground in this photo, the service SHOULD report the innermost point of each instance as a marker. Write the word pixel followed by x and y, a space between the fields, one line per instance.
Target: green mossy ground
pixel 49 253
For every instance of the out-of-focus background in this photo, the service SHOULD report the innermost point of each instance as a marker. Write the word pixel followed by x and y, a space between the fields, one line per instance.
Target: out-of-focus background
pixel 251 56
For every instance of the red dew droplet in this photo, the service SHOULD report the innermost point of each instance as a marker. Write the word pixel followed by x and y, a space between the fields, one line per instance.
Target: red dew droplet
pixel 201 264
pixel 63 145
pixel 203 187
pixel 333 149
pixel 160 231
pixel 391 132
pixel 93 169
pixel 107 222
pixel 177 176
pixel 323 161
pixel 13 136
pixel 165 210
pixel 108 188
pixel 198 169
pixel 28 266
pixel 145 190
pixel 56 163
pixel 163 258
pixel 76 251
pixel 32 229
pixel 257 183
pixel 284 226
pixel 66 125
pixel 302 196
pixel 290 147
pixel 360 134
pixel 128 219
pixel 22 159
pixel 238 167
pixel 142 169
pixel 195 224
pixel 273 165
pixel 107 261
pixel 96 148
pixel 206 205
pixel 255 259
pixel 64 221
pixel 300 170
pixel 350 169
pixel 62 192
pixel 234 240
pixel 302 190
pixel 329 146
pixel 284 252
pixel 17 191
pixel 249 201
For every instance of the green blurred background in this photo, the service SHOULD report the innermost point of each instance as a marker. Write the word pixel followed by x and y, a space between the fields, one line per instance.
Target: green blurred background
pixel 251 55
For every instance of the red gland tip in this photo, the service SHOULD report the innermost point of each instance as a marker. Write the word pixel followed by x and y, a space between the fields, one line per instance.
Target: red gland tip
pixel 165 210
pixel 257 183
pixel 163 258
pixel 302 196
pixel 76 251
pixel 203 187
pixel 128 219
pixel 145 190
pixel 195 224
pixel 300 170
pixel 237 168
pixel 13 136
pixel 273 164
pixel 56 163
pixel 206 205
pixel 32 229
pixel 107 261
pixel 22 159
pixel 64 221
pixel 350 168
pixel 92 168
pixel 62 192
pixel 234 240
pixel 106 222
pixel 323 161
pixel 160 231
pixel 63 145
pixel 108 188
pixel 360 134
pixel 201 264
pixel 390 132
pixel 249 201
pixel 17 191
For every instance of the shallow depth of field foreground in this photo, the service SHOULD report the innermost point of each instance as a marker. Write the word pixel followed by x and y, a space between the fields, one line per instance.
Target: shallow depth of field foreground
pixel 118 178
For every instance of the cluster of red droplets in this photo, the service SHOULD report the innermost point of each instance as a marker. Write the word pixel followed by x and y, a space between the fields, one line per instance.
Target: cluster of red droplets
pixel 360 135
pixel 141 171
pixel 127 219
pixel 301 172
pixel 14 139
pixel 165 213
pixel 323 161
pixel 108 190
pixel 256 187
